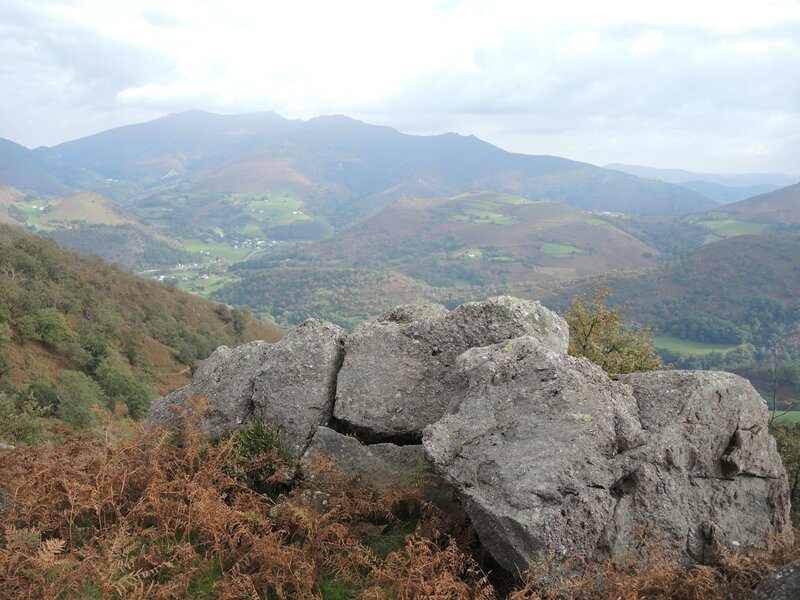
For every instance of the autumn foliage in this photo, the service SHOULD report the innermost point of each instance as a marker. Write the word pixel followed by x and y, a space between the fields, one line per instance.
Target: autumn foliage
pixel 160 515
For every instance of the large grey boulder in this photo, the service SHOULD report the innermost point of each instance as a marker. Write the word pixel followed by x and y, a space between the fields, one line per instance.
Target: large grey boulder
pixel 225 382
pixel 783 584
pixel 398 375
pixel 532 446
pixel 550 455
pixel 289 385
pixel 710 474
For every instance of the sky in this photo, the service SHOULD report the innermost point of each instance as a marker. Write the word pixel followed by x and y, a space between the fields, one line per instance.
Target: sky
pixel 704 85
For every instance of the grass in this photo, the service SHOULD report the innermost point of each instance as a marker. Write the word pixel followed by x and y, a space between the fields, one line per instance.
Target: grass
pixel 729 227
pixel 33 216
pixel 482 208
pixel 674 344
pixel 559 249
pixel 471 253
pixel 205 287
pixel 791 416
pixel 220 249
pixel 485 217
pixel 276 207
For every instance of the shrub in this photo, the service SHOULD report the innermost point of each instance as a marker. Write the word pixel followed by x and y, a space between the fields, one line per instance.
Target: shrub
pixel 78 399
pixel 48 326
pixel 22 421
pixel 119 383
pixel 597 332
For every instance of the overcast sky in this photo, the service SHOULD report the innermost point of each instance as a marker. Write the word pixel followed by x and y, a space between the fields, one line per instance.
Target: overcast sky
pixel 704 85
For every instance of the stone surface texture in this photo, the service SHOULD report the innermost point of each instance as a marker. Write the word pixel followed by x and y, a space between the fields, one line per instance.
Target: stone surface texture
pixel 289 385
pixel 398 376
pixel 551 455
pixel 783 584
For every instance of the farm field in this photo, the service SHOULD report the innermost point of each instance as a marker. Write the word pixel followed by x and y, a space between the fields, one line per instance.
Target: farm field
pixel 277 207
pixel 559 249
pixel 482 209
pixel 730 227
pixel 792 416
pixel 673 344
pixel 220 249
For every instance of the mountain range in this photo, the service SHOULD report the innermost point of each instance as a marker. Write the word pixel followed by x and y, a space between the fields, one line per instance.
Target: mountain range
pixel 342 168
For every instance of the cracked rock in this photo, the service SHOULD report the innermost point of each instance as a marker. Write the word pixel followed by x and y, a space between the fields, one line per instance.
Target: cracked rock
pixel 288 385
pixel 550 455
pixel 398 376
pixel 381 466
pixel 532 446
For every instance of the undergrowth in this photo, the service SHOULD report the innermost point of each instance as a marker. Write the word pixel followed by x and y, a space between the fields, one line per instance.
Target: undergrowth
pixel 159 516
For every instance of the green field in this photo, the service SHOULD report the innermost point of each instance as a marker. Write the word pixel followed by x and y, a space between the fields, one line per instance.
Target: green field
pixel 485 217
pixel 673 344
pixel 471 253
pixel 559 249
pixel 481 209
pixel 792 416
pixel 205 287
pixel 33 216
pixel 220 249
pixel 730 227
pixel 276 207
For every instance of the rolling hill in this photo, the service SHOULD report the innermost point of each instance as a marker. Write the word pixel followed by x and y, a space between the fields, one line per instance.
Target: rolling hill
pixel 63 312
pixel 84 207
pixel 779 207
pixel 722 188
pixel 433 249
pixel 500 237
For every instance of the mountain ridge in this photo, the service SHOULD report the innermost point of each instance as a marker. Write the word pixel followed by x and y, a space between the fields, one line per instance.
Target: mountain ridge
pixel 349 162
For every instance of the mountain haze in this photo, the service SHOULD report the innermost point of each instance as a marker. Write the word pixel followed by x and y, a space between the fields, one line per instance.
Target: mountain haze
pixel 343 168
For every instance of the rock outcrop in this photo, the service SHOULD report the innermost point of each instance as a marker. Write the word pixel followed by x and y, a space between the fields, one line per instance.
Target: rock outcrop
pixel 544 451
pixel 290 385
pixel 398 376
pixel 551 455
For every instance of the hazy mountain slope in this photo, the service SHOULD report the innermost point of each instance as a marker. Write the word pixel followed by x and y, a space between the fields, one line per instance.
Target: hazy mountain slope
pixel 182 142
pixel 682 176
pixel 778 207
pixel 24 169
pixel 725 194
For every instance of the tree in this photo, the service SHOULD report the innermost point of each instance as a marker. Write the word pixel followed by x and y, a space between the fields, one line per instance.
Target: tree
pixel 120 384
pixel 597 332
pixel 77 396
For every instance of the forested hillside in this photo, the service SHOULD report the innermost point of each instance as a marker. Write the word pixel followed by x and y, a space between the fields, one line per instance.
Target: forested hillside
pixel 77 332
pixel 735 300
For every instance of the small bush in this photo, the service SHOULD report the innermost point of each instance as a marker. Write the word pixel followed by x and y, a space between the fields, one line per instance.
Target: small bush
pixel 22 421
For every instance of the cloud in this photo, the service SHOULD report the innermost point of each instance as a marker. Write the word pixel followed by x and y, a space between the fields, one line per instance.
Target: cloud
pixel 703 85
